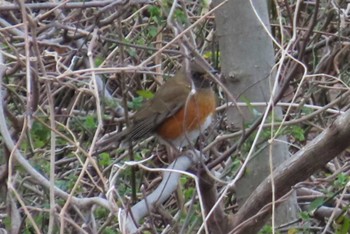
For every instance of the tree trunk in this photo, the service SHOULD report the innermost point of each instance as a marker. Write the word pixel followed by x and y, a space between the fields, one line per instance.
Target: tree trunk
pixel 247 58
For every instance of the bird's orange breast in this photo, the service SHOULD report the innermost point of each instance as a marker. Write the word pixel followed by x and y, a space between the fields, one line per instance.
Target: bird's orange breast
pixel 191 117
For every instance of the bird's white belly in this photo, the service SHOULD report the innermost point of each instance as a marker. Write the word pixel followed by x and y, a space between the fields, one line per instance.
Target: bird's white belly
pixel 191 136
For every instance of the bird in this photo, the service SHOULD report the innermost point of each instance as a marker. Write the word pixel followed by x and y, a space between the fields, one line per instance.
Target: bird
pixel 178 113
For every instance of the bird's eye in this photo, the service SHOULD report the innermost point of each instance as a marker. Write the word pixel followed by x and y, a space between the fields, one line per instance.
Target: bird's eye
pixel 196 75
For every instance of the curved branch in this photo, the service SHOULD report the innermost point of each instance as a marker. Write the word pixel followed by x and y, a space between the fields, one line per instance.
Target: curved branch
pixel 299 167
pixel 130 219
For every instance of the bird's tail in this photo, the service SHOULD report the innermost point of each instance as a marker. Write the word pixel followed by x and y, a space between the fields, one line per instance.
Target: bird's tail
pixel 111 141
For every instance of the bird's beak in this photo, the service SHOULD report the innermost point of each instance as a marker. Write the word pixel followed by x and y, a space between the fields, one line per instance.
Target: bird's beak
pixel 214 71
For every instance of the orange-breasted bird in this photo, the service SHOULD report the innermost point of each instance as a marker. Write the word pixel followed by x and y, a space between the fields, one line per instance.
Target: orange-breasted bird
pixel 178 113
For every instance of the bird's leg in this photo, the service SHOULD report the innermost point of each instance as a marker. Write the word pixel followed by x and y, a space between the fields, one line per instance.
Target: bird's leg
pixel 172 152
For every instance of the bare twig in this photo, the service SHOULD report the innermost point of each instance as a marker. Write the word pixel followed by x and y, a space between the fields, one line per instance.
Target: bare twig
pixel 68 5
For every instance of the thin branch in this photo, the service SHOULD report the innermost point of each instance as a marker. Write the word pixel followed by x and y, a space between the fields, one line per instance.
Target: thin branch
pixel 6 6
pixel 130 219
pixel 6 136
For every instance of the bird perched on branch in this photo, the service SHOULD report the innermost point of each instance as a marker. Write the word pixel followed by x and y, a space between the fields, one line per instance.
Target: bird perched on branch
pixel 179 112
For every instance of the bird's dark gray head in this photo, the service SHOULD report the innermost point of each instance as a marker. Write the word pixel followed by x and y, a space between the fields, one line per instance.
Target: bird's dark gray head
pixel 200 79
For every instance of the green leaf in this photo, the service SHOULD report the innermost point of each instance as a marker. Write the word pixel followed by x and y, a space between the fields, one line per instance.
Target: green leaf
pixel 188 193
pixel 207 55
pixel 343 226
pixel 98 61
pixel 40 134
pixel 132 52
pixel 154 11
pixel 146 94
pixel 307 110
pixel 315 204
pixel 292 231
pixel 304 215
pixel 140 41
pixel 155 14
pixel 183 180
pixel 136 103
pixel 101 212
pixel 298 133
pixel 152 31
pixel 180 16
pixel 341 180
pixel 109 230
pixel 90 122
pixel 267 229
pixel 7 222
pixel 104 159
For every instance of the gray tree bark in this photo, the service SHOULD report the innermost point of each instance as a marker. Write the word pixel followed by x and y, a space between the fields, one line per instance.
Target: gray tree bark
pixel 247 58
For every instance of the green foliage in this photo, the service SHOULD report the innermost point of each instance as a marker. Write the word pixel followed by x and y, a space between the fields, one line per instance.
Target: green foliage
pixel 183 180
pixel 191 216
pixel 152 31
pixel 40 134
pixel 296 131
pixel 140 41
pixel 188 190
pixel 90 122
pixel 67 183
pixel 305 216
pixel 84 123
pixel 315 204
pixel 342 224
pixel 132 51
pixel 195 221
pixel 98 61
pixel 110 230
pixel 292 231
pixel 136 103
pixel 207 55
pixel 141 154
pixel 101 212
pixel 307 110
pixel 180 16
pixel 234 167
pixel 41 164
pixel 267 229
pixel 156 21
pixel 40 219
pixel 7 222
pixel 155 13
pixel 28 230
pixel 146 94
pixel 188 193
pixel 123 187
pixel 104 159
pixel 341 180
pixel 206 4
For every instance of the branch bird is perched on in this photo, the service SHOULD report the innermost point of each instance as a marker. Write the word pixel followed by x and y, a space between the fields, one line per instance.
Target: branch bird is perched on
pixel 180 110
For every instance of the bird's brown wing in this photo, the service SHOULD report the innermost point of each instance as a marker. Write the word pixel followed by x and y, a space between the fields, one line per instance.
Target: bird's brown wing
pixel 166 102
pixel 154 112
